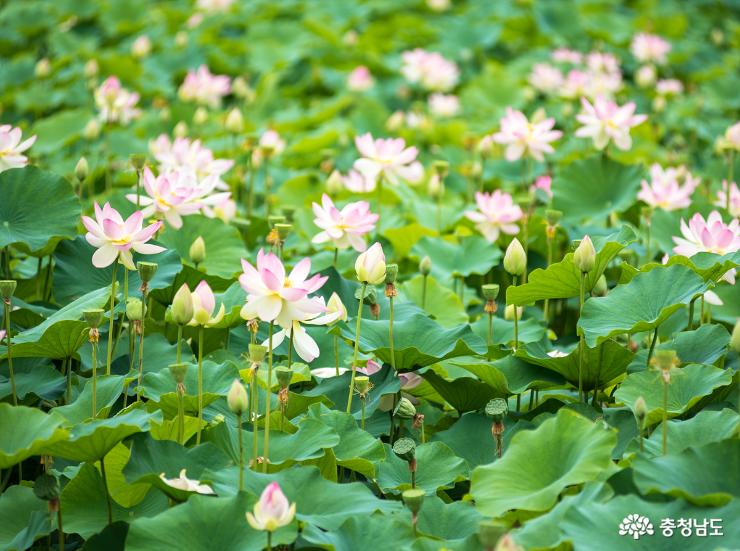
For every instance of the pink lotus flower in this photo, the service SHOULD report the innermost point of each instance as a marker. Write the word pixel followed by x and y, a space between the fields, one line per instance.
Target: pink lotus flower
pixel 731 138
pixel 429 69
pixel 546 78
pixel 115 238
pixel 115 103
pixel 496 213
pixel 204 307
pixel 224 210
pixel 543 183
pixel 360 79
pixel 214 5
pixel 576 84
pixel 664 190
pixel 11 147
pixel 189 155
pixel 669 87
pixel 370 266
pixel 344 227
pixel 358 182
pixel 271 143
pixel 526 138
pixel 444 105
pixel 186 484
pixel 272 511
pixel 650 48
pixel 389 158
pixel 175 194
pixel 605 121
pixel 565 55
pixel 711 236
pixel 734 198
pixel 204 88
pixel 600 62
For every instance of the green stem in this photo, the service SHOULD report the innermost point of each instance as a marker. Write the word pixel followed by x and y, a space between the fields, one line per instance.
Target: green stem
pixel 290 347
pixel 123 317
pixel 179 343
pixel 141 348
pixel 255 409
pixel 138 188
pixel 665 417
pixel 691 313
pixel 336 255
pixel 652 346
pixel 180 417
pixel 390 332
pixel 269 541
pixel 362 408
pixel 490 334
pixel 67 368
pixel 200 383
pixel 701 312
pixel 94 379
pixel 109 351
pixel 6 305
pixel 581 336
pixel 516 320
pixel 241 451
pixel 424 292
pixel 107 492
pixel 336 355
pixel 266 450
pixel 357 347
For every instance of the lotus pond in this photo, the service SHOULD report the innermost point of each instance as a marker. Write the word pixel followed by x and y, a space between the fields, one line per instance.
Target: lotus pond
pixel 350 275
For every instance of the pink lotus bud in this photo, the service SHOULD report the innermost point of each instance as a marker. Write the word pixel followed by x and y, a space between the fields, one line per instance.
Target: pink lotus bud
pixel 370 265
pixel 272 511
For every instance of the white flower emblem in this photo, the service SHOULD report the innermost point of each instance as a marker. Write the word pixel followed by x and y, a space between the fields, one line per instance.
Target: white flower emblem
pixel 636 525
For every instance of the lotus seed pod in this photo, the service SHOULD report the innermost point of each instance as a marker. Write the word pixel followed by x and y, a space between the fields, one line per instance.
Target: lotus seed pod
pixel 489 533
pixel 362 385
pixel 735 339
pixel 82 169
pixel 391 271
pixel 182 306
pixel 490 291
pixel 585 255
pixel 138 161
pixel 283 375
pixel 601 288
pixel 146 270
pixel 234 121
pixel 7 288
pixel 413 499
pixel 257 352
pixel 134 309
pixel 237 398
pixel 289 213
pixel 47 487
pixel 515 259
pixel 553 216
pixel 497 408
pixel 178 372
pixel 425 266
pixel 275 219
pixel 197 251
pixel 405 409
pixel 442 168
pixel 640 409
pixel 405 448
pixel 283 230
pixel 665 359
pixel 93 317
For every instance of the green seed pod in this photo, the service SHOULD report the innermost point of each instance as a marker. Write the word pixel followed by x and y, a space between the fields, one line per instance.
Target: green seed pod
pixel 93 317
pixel 362 384
pixel 283 230
pixel 237 398
pixel 404 409
pixel 138 161
pixel 289 213
pixel 413 499
pixel 178 372
pixel 405 448
pixel 197 251
pixel 283 375
pixel 391 271
pixel 134 309
pixel 665 359
pixel 553 216
pixel 275 219
pixel 146 270
pixel 7 288
pixel 497 409
pixel 47 487
pixel 490 291
pixel 257 352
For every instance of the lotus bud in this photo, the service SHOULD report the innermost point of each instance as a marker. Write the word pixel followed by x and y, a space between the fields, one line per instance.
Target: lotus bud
pixel 82 169
pixel 237 398
pixel 168 315
pixel 240 87
pixel 134 309
pixel 645 76
pixel 138 161
pixel 91 130
pixel 489 533
pixel 404 409
pixel 511 310
pixel 200 116
pixel 234 121
pixel 180 130
pixel 436 187
pixel 370 265
pixel 197 251
pixel 146 270
pixel 425 266
pixel 601 288
pixel 283 375
pixel 585 255
pixel 640 410
pixel 257 353
pixel 490 291
pixel 735 338
pixel 93 317
pixel 413 499
pixel 91 68
pixel 178 372
pixel 43 68
pixel 507 543
pixel 334 183
pixel 405 448
pixel 362 385
pixel 515 259
pixel 7 289
pixel 182 306
pixel 553 216
pixel 141 47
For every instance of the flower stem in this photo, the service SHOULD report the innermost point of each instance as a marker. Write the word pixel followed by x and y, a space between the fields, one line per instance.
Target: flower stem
pixel 180 416
pixel 138 189
pixel 109 351
pixel 652 346
pixel 390 332
pixel 60 527
pixel 179 343
pixel 6 306
pixel 581 337
pixel 490 334
pixel 141 346
pixel 200 383
pixel 241 450
pixel 336 355
pixel 516 320
pixel 107 492
pixel 266 450
pixel 254 406
pixel 269 541
pixel 336 254
pixel 357 347
pixel 123 317
pixel 94 379
pixel 424 292
pixel 665 417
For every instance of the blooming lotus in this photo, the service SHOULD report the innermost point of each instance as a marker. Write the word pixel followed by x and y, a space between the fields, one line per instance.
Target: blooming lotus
pixel 664 190
pixel 310 311
pixel 600 62
pixel 522 137
pixel 116 103
pixel 389 158
pixel 650 48
pixel 669 87
pixel 204 88
pixel 711 235
pixel 545 78
pixel 360 79
pixel 344 227
pixel 444 105
pixel 272 511
pixel 605 121
pixel 204 306
pixel 183 154
pixel 175 194
pixel 358 182
pixel 116 238
pixel 734 198
pixel 496 213
pixel 11 147
pixel 224 210
pixel 543 183
pixel 186 484
pixel 565 55
pixel 429 69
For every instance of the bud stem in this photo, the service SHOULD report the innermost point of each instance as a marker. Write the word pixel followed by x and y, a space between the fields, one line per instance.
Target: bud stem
pixel 95 378
pixel 180 416
pixel 241 450
pixel 652 346
pixel 490 334
pixel 254 414
pixel 516 320
pixel 665 415
pixel 109 351
pixel 200 383
pixel 107 492
pixel 265 451
pixel 581 336
pixel 362 408
pixel 357 344
pixel 123 318
pixel 424 292
pixel 139 173
pixel 336 355
pixel 390 332
pixel 6 307
pixel 144 294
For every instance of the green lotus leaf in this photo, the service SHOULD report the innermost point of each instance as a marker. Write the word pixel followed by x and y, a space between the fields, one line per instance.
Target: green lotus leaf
pixel 643 304
pixel 25 518
pixel 688 385
pixel 563 279
pixel 710 266
pixel 364 533
pixel 530 330
pixel 538 465
pixel 508 375
pixel 448 521
pixel 34 377
pixel 442 304
pixel 436 467
pixel 704 345
pixel 25 432
pixel 591 189
pixel 705 427
pixel 462 393
pixel 37 208
pixel 109 388
pixel 403 238
pixel 469 255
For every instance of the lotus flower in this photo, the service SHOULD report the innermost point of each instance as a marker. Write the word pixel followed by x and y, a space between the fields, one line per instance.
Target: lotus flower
pixel 429 69
pixel 543 183
pixel 360 79
pixel 370 265
pixel 565 55
pixel 116 238
pixel 204 306
pixel 711 235
pixel 496 213
pixel 526 138
pixel 664 190
pixel 311 311
pixel 11 147
pixel 214 5
pixel 187 484
pixel 650 48
pixel 272 511
pixel 734 198
pixel 546 78
pixel 204 88
pixel 344 227
pixel 115 103
pixel 605 121
pixel 669 87
pixel 444 105
pixel 189 155
pixel 271 143
pixel 731 138
pixel 389 158
pixel 359 183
